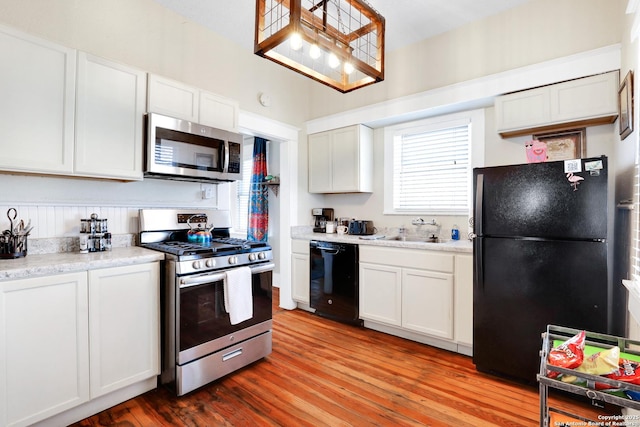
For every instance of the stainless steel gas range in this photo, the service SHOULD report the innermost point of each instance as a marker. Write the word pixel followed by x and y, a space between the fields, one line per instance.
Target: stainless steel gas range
pixel 200 343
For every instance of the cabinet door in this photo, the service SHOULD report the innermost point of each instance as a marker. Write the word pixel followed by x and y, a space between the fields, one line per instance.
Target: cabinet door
pixel 109 119
pixel 300 278
pixel 521 110
pixel 124 325
pixel 320 170
pixel 463 303
pixel 380 293
pixel 218 112
pixel 345 157
pixel 172 98
pixel 427 302
pixel 586 98
pixel 44 354
pixel 37 83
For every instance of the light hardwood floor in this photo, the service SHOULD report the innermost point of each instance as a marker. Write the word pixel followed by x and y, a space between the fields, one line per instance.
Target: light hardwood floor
pixel 324 373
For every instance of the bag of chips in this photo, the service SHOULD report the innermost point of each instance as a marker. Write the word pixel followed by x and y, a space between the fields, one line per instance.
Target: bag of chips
pixel 600 363
pixel 569 354
pixel 628 371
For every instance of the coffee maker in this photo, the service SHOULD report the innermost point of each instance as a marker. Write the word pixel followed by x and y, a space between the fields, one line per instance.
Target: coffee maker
pixel 321 216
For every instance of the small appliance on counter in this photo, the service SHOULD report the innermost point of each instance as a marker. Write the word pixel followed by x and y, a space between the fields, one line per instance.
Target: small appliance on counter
pixel 360 227
pixel 321 216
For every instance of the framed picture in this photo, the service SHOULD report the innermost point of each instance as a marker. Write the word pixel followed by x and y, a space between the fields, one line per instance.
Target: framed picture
pixel 625 106
pixel 565 145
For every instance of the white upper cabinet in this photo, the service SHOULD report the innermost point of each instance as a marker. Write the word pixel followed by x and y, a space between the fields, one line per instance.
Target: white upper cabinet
pixel 179 100
pixel 218 112
pixel 172 98
pixel 341 160
pixel 109 119
pixel 37 83
pixel 588 101
pixel 68 113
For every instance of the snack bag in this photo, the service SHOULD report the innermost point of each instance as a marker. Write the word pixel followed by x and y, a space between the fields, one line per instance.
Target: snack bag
pixel 601 363
pixel 628 371
pixel 569 354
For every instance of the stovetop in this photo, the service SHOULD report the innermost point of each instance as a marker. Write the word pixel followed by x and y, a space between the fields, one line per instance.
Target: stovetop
pixel 219 246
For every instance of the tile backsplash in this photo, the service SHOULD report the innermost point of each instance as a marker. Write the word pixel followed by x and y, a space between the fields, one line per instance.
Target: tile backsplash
pixel 64 221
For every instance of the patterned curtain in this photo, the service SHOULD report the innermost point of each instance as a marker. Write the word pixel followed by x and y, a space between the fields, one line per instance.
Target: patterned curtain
pixel 257 229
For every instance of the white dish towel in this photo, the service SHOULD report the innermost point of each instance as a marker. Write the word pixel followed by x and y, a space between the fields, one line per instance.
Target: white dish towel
pixel 238 296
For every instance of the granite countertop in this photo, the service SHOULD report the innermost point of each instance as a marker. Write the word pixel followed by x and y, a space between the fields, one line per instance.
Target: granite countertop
pixel 68 262
pixel 380 239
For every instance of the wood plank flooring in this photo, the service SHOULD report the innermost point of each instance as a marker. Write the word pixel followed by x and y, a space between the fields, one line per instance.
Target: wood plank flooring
pixel 323 373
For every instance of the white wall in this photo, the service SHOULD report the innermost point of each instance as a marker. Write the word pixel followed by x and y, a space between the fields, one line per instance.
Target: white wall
pixel 537 31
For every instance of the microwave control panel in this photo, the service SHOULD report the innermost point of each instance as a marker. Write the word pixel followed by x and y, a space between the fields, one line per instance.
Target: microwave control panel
pixel 235 157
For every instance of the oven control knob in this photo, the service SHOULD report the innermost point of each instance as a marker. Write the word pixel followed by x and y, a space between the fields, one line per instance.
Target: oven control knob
pixel 197 265
pixel 210 263
pixel 253 257
pixel 262 255
pixel 233 260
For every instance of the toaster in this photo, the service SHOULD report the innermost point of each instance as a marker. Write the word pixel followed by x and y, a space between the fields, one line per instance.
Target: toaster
pixel 361 227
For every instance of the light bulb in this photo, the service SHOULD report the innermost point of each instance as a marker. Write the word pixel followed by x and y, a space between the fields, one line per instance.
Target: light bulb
pixel 295 41
pixel 333 60
pixel 348 67
pixel 314 51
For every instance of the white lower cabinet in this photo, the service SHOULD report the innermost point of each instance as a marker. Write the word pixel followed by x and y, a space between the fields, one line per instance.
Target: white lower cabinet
pixel 381 293
pixel 68 339
pixel 123 325
pixel 300 285
pixel 427 302
pixel 44 347
pixel 414 293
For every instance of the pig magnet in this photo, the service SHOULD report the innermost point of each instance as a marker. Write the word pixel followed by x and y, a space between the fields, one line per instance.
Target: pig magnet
pixel 536 151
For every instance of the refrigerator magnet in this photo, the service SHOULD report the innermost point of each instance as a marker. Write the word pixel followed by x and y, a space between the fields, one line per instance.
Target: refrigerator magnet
pixel 572 166
pixel 593 165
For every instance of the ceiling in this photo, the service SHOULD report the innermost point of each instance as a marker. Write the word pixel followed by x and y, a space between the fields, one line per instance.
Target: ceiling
pixel 407 21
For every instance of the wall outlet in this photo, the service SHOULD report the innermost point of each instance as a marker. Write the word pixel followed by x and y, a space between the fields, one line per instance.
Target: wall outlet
pixel 207 191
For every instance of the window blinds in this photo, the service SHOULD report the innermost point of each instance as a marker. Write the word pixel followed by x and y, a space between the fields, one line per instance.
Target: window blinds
pixel 431 170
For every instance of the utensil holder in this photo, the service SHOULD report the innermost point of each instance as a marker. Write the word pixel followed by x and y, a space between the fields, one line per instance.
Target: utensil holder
pixel 13 246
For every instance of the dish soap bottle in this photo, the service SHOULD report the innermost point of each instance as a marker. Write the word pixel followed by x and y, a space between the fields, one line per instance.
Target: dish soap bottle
pixel 455 233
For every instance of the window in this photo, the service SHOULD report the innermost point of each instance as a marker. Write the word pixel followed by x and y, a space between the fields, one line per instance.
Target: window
pixel 241 217
pixel 428 165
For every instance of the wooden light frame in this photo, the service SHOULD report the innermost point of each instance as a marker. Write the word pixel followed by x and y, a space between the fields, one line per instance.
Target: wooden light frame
pixel 349 29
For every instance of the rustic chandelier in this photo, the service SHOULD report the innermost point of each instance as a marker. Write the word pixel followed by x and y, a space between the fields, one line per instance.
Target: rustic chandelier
pixel 337 42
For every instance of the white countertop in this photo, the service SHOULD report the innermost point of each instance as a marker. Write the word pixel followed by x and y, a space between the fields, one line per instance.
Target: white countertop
pixel 305 233
pixel 67 262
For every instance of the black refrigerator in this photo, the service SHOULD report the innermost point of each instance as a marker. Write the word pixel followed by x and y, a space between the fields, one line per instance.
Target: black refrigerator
pixel 540 257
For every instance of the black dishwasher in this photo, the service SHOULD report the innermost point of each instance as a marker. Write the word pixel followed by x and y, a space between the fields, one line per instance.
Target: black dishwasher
pixel 334 280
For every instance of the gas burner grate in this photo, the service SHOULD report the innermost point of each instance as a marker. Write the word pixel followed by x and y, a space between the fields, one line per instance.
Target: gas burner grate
pixel 245 244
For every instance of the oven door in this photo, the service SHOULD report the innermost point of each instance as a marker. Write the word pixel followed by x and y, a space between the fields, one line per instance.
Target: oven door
pixel 203 326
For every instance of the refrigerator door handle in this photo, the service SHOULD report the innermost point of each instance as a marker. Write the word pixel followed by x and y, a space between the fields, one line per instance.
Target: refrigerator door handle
pixel 477 222
pixel 477 242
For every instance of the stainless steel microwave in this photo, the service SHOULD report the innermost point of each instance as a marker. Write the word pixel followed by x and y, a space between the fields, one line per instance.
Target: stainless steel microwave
pixel 182 150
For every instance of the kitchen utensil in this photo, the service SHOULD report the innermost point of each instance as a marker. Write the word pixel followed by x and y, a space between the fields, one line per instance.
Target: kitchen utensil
pixel 13 241
pixel 12 214
pixel 199 234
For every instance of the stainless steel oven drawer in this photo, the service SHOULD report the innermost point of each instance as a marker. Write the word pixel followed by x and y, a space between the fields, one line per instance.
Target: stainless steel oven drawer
pixel 216 365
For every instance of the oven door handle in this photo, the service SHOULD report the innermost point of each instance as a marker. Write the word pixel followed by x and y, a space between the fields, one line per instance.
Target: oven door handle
pixel 186 282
